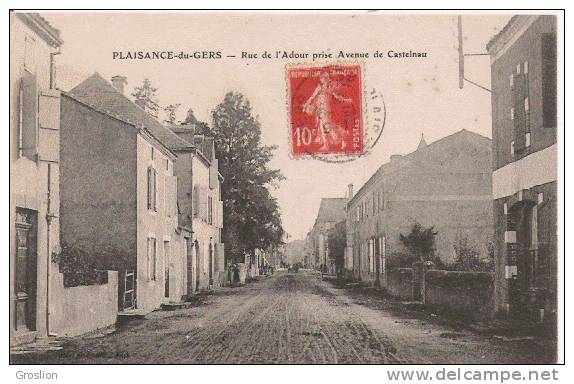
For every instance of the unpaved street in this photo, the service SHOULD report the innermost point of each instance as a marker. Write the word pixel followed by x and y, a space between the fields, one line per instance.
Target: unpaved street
pixel 289 318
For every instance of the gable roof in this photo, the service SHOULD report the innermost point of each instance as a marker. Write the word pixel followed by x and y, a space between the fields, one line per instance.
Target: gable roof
pixel 42 27
pixel 331 210
pixel 437 146
pixel 100 94
pixel 205 145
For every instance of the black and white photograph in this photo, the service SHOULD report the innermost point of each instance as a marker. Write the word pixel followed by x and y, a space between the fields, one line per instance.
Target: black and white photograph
pixel 286 187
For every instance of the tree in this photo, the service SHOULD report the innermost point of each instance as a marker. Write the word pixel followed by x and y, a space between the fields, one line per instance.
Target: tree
pixel 250 213
pixel 145 97
pixel 467 256
pixel 420 242
pixel 170 113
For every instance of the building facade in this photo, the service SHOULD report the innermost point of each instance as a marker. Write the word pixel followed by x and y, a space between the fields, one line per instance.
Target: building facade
pixel 331 212
pixel 446 185
pixel 201 208
pixel 524 123
pixel 119 193
pixel 34 173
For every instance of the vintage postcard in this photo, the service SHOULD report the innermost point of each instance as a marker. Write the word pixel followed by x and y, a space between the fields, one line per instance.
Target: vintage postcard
pixel 286 188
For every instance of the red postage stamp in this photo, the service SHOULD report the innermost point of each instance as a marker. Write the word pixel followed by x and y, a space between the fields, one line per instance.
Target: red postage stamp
pixel 326 110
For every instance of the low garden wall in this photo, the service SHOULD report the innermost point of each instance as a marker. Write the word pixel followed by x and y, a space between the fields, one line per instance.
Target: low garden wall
pixel 461 294
pixel 84 308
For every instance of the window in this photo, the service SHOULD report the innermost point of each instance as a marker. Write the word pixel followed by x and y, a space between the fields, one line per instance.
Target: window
pixel 511 113
pixel 511 80
pixel 518 69
pixel 20 116
pixel 526 104
pixel 210 210
pixel 152 258
pixel 512 147
pixel 527 139
pixel 526 67
pixel 540 198
pixel 549 65
pixel 151 189
pixel 28 114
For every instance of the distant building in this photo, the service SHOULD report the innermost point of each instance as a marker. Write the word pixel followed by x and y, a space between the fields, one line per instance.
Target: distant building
pixel 294 252
pixel 201 208
pixel 331 212
pixel 119 193
pixel 524 122
pixel 34 173
pixel 446 185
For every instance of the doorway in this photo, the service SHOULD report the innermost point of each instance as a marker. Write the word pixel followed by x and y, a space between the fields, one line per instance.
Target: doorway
pixel 210 263
pixel 526 287
pixel 197 266
pixel 167 261
pixel 25 270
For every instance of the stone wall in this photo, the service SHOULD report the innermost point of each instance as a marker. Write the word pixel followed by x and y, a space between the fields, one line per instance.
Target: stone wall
pixel 468 295
pixel 399 283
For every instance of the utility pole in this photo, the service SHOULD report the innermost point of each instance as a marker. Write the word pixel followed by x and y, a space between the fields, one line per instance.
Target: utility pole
pixel 461 56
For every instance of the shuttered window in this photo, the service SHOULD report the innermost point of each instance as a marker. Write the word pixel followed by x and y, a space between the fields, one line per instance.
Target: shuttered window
pixel 520 117
pixel 151 189
pixel 210 210
pixel 28 124
pixel 549 111
pixel 196 200
pixel 152 258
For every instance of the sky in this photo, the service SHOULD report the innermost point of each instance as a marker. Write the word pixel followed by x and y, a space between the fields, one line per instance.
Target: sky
pixel 421 95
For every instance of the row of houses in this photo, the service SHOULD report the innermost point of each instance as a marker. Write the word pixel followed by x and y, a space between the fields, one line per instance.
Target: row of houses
pixel 498 196
pixel 98 184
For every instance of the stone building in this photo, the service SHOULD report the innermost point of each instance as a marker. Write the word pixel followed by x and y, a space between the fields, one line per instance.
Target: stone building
pixel 119 193
pixel 446 185
pixel 331 212
pixel 34 173
pixel 200 208
pixel 524 122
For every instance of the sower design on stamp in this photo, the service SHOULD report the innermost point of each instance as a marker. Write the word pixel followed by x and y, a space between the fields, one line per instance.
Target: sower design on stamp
pixel 326 110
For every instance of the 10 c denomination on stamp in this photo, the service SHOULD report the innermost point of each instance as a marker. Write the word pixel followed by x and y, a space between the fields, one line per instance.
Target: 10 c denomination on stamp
pixel 326 110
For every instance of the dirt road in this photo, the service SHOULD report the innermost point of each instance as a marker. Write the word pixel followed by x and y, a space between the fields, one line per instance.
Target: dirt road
pixel 288 318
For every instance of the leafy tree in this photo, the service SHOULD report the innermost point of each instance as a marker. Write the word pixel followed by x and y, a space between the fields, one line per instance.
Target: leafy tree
pixel 421 243
pixel 170 113
pixel 145 97
pixel 467 256
pixel 251 214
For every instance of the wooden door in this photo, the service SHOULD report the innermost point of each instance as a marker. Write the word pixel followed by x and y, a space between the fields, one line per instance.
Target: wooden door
pixel 25 271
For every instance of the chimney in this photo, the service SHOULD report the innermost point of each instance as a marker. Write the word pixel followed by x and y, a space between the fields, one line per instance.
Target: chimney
pixel 350 193
pixel 394 158
pixel 422 143
pixel 119 82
